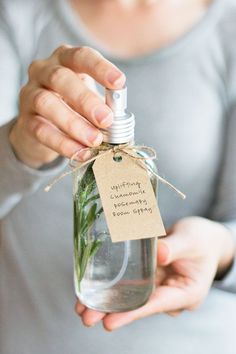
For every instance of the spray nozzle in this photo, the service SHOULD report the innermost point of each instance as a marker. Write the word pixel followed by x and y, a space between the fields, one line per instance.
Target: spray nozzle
pixel 122 128
pixel 117 100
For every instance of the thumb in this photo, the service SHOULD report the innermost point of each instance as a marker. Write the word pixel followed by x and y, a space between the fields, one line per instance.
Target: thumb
pixel 173 247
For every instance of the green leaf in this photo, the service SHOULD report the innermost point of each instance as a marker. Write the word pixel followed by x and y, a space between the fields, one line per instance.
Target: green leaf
pixel 90 187
pixel 87 179
pixel 95 248
pixel 91 216
pixel 95 197
pixel 99 212
pixel 84 260
pixel 81 248
pixel 84 218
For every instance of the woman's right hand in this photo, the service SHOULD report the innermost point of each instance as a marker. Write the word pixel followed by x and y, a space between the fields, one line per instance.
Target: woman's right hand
pixel 59 113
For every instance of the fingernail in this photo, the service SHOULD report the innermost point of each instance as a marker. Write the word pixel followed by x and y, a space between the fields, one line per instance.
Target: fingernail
pixel 83 155
pixel 94 137
pixel 107 328
pixel 163 253
pixel 103 116
pixel 88 325
pixel 115 77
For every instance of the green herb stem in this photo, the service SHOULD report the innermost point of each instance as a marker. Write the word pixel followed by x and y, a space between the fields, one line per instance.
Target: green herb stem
pixel 85 215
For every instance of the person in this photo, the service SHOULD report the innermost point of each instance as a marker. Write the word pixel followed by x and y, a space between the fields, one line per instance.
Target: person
pixel 178 59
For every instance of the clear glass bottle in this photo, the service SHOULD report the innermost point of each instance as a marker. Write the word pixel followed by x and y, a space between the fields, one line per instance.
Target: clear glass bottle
pixel 109 277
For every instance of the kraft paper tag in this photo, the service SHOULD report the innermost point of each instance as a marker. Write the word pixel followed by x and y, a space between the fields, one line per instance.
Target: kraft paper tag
pixel 128 199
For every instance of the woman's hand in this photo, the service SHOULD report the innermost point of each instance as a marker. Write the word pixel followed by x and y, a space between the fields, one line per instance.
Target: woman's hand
pixel 189 258
pixel 59 112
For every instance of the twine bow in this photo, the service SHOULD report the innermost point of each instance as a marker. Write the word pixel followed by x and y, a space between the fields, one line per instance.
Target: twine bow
pixel 133 151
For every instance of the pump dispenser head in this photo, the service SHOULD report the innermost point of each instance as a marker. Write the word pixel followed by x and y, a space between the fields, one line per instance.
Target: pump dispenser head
pixel 122 129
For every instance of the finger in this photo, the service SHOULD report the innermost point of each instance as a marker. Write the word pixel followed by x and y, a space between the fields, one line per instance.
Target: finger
pixel 89 61
pixel 173 247
pixel 174 313
pixel 79 308
pixel 162 253
pixel 195 306
pixel 48 105
pixel 161 274
pixel 164 299
pixel 55 140
pixel 178 281
pixel 91 317
pixel 76 93
pixel 90 83
pixel 34 67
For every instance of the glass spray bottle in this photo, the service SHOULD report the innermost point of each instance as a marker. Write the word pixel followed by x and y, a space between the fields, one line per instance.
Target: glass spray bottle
pixel 109 277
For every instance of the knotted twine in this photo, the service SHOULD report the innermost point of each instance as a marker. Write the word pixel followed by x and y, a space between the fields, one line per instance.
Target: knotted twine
pixel 132 151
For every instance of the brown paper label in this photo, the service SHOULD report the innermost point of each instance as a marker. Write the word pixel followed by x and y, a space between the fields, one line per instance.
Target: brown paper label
pixel 128 199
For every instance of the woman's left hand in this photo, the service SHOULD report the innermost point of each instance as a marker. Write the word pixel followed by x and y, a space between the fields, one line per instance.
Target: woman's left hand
pixel 193 253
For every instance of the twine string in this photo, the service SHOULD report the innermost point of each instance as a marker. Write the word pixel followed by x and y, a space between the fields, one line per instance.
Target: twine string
pixel 132 151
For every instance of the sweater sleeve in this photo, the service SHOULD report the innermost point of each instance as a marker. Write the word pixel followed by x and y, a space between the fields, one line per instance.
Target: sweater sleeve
pixel 224 209
pixel 16 179
pixel 10 72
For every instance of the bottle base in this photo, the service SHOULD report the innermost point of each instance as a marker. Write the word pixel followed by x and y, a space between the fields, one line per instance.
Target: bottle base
pixel 116 299
pixel 112 310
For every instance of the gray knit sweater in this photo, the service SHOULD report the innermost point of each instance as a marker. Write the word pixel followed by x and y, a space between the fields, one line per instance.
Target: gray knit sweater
pixel 184 98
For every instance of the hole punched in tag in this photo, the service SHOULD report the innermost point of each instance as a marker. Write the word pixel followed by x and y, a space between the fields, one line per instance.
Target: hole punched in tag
pixel 117 158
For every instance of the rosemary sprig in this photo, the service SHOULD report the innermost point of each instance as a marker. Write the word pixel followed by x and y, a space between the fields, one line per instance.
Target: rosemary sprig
pixel 85 214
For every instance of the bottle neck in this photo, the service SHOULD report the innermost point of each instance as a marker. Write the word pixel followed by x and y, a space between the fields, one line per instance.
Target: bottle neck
pixel 130 142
